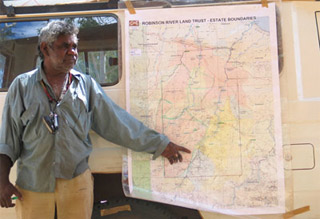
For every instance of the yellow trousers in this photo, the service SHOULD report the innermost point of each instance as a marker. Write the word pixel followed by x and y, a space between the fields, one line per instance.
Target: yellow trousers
pixel 73 198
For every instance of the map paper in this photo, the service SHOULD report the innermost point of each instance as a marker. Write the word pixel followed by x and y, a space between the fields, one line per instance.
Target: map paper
pixel 208 78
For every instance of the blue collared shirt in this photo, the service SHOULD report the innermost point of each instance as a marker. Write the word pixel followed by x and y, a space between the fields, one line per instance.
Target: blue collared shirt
pixel 42 157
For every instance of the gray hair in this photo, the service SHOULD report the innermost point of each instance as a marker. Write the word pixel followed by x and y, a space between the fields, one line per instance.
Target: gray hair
pixel 53 30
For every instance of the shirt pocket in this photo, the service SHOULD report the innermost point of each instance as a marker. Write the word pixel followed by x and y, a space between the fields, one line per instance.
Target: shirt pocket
pixel 29 114
pixel 78 117
pixel 31 121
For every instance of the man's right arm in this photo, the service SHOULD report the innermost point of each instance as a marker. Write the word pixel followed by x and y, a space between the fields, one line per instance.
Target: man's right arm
pixel 6 188
pixel 10 134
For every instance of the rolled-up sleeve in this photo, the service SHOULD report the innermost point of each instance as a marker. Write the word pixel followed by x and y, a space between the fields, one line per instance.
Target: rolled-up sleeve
pixel 118 126
pixel 10 132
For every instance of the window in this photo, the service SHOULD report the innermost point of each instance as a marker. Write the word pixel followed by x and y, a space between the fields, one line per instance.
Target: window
pixel 2 67
pixel 98 47
pixel 101 65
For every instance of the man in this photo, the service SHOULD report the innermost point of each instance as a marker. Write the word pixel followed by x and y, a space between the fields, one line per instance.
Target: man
pixel 45 127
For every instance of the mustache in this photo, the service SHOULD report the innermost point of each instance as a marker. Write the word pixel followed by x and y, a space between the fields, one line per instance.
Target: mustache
pixel 71 57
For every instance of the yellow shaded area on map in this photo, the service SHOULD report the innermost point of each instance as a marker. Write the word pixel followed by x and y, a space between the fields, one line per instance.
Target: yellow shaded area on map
pixel 221 143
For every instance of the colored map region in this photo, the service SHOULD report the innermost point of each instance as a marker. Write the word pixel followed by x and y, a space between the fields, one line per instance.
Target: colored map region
pixel 207 77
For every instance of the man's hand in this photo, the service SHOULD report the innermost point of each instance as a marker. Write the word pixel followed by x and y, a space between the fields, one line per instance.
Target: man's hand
pixel 6 188
pixel 6 191
pixel 172 152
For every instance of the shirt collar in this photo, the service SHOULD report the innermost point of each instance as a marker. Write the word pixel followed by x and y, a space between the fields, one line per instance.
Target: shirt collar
pixel 41 75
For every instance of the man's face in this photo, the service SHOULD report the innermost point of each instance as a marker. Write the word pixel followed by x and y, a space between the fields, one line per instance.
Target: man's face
pixel 63 53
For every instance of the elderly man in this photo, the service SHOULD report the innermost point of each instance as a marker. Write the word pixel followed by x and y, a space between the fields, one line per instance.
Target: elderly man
pixel 45 128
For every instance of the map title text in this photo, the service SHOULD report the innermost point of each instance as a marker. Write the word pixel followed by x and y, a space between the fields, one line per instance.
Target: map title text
pixel 202 20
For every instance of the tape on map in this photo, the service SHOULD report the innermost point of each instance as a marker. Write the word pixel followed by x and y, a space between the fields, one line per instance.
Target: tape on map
pixel 295 212
pixel 264 3
pixel 130 7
